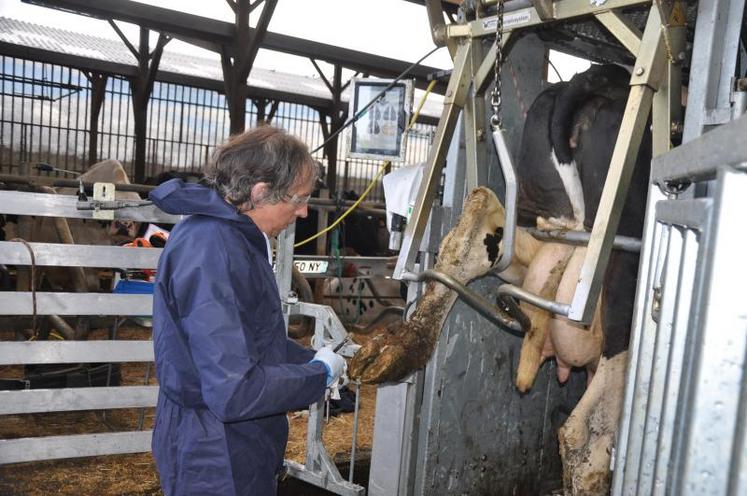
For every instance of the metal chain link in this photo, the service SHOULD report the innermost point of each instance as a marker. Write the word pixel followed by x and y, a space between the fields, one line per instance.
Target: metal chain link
pixel 495 96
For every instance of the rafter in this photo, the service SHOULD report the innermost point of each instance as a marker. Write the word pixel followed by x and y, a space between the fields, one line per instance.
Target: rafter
pixel 212 34
pixel 127 43
pixel 255 5
pixel 256 37
pixel 321 75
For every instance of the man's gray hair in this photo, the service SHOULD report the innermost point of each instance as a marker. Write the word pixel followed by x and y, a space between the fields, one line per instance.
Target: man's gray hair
pixel 262 155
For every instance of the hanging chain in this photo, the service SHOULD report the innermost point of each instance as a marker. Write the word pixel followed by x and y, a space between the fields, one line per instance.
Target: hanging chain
pixel 495 96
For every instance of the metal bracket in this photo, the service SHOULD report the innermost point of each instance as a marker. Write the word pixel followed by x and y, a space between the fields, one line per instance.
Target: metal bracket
pixel 436 21
pixel 104 202
pixel 319 469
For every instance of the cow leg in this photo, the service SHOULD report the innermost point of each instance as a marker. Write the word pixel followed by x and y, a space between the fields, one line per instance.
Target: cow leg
pixel 542 278
pixel 469 250
pixel 587 436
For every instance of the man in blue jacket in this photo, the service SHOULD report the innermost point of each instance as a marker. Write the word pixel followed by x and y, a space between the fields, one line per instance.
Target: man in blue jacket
pixel 227 371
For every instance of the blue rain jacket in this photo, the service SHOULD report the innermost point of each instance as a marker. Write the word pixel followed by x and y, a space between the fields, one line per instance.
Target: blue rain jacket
pixel 227 371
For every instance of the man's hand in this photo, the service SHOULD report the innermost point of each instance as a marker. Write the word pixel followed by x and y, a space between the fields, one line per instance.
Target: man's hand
pixel 334 363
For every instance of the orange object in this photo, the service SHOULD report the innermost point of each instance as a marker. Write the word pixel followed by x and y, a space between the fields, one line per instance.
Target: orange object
pixel 139 243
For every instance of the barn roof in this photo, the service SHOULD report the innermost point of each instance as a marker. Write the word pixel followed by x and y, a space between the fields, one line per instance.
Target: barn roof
pixel 53 45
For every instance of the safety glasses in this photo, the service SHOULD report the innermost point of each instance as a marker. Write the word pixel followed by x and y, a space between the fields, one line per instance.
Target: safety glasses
pixel 297 200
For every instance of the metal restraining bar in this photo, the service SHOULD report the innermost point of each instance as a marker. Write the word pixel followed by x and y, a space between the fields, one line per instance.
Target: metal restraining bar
pixel 59 447
pixel 74 399
pixel 56 254
pixel 131 305
pixel 41 352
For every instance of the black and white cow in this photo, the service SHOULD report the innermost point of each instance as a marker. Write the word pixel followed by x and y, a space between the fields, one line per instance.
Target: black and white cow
pixel 567 146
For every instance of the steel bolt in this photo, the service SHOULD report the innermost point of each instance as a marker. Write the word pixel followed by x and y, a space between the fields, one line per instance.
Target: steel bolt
pixel 639 71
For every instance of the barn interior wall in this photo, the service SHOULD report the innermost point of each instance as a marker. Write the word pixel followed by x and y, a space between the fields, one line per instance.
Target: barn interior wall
pixel 45 109
pixel 478 435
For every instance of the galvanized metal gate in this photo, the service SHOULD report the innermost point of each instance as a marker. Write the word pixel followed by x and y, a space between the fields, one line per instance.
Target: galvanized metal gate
pixel 319 468
pixel 683 426
pixel 73 352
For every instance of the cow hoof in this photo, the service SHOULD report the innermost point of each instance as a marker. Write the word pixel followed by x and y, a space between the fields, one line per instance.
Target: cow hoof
pixel 379 360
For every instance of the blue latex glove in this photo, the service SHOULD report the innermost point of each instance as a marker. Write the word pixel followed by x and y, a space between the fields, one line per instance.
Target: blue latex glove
pixel 333 362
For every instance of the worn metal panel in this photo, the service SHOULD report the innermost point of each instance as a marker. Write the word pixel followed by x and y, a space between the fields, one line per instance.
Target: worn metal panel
pixel 718 369
pixel 37 352
pixel 74 399
pixel 392 437
pixel 56 447
pixel 48 205
pixel 21 303
pixel 488 439
pixel 55 254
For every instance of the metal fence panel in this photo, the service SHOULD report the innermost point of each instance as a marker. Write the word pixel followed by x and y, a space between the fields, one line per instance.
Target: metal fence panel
pixel 54 254
pixel 22 303
pixel 58 447
pixel 40 352
pixel 74 399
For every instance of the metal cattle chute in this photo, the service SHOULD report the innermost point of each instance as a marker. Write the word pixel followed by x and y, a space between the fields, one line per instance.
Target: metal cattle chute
pixel 459 426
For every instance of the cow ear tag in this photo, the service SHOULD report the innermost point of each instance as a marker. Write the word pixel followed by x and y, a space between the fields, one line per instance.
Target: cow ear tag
pixel 103 192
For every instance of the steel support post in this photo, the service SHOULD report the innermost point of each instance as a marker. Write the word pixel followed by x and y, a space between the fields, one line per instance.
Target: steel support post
pixel 474 128
pixel 456 95
pixel 647 75
pixel 98 93
pixel 284 267
pixel 668 305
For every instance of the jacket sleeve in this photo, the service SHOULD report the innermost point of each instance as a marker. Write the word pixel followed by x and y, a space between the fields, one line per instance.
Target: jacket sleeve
pixel 298 353
pixel 216 290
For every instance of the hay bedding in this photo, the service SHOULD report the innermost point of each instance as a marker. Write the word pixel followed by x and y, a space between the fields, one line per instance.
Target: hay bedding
pixel 136 474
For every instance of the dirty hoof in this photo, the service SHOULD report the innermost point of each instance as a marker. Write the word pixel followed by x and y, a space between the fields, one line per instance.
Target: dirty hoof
pixel 382 359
